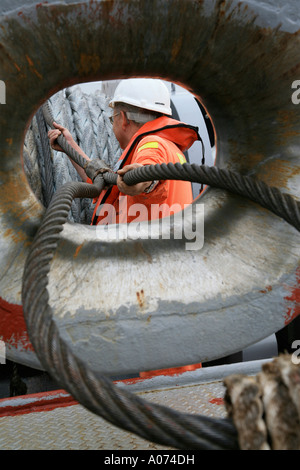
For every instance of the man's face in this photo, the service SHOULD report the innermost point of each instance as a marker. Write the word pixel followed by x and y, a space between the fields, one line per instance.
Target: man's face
pixel 121 128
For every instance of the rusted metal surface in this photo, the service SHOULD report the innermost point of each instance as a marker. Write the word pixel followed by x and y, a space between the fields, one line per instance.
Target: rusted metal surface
pixel 144 304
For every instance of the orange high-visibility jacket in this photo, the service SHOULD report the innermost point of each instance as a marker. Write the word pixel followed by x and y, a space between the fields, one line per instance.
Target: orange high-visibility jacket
pixel 160 141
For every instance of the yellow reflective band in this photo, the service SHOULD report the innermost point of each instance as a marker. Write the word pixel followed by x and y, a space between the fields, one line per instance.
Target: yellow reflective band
pixel 149 145
pixel 181 158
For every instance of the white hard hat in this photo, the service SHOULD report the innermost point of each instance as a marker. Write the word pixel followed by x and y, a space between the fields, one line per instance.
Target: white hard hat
pixel 146 93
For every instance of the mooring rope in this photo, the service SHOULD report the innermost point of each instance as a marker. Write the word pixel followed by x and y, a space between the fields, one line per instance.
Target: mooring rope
pixel 97 393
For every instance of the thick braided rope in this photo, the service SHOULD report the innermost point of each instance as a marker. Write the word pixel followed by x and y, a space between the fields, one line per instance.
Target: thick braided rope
pixel 46 152
pixel 75 156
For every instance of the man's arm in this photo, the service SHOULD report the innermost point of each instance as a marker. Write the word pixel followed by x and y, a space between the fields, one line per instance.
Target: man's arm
pixel 54 133
pixel 131 190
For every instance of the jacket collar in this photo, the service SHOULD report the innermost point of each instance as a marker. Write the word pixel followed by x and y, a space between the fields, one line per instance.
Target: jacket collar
pixel 166 128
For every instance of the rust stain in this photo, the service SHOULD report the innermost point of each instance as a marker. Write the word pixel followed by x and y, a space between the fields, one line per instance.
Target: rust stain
pixel 17 237
pixel 29 60
pixel 39 5
pixel 217 401
pixel 31 64
pixel 293 300
pixel 89 63
pixel 11 202
pixel 78 250
pixel 140 249
pixel 141 298
pixel 170 371
pixel 285 117
pixel 255 158
pixel 17 67
pixel 176 48
pixel 266 290
pixel 173 371
pixel 278 173
pixel 37 74
pixel 286 120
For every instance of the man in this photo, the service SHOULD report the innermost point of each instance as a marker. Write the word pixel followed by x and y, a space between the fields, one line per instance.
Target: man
pixel 148 135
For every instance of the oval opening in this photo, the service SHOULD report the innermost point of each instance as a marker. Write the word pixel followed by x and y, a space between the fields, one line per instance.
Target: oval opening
pixel 84 110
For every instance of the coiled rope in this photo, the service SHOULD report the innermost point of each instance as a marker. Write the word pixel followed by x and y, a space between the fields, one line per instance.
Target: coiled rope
pixel 97 393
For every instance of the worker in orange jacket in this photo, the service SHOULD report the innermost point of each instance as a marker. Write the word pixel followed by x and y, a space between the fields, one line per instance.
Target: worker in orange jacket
pixel 147 135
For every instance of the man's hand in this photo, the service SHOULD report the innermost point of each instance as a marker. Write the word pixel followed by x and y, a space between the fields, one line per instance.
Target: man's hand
pixel 54 133
pixel 131 190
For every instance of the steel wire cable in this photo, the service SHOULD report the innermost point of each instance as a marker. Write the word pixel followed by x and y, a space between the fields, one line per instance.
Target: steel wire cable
pixel 97 393
pixel 282 204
